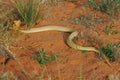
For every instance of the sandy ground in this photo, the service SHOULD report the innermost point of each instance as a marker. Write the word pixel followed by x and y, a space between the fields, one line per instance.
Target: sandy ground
pixel 73 64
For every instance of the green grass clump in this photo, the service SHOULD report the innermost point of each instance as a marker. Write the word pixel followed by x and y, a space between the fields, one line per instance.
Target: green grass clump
pixel 28 10
pixel 108 50
pixel 42 58
pixel 107 6
pixel 109 31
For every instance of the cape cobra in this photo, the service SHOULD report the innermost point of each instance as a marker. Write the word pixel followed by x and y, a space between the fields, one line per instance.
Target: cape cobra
pixel 70 38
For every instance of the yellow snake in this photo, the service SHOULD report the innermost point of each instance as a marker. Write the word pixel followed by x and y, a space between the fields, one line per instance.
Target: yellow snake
pixel 70 42
pixel 70 38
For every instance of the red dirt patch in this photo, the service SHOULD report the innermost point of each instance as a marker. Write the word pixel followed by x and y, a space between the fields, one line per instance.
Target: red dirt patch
pixel 73 61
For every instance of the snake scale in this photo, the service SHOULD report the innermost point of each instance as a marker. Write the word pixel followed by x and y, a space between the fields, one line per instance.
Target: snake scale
pixel 70 38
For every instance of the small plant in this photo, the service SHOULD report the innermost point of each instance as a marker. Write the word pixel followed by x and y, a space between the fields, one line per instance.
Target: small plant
pixel 28 10
pixel 42 58
pixel 109 31
pixel 110 50
pixel 107 6
pixel 4 76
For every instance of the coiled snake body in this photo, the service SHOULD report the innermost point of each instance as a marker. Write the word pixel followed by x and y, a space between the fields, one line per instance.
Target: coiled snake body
pixel 70 38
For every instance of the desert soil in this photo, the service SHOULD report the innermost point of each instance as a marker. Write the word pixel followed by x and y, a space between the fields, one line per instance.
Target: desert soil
pixel 74 64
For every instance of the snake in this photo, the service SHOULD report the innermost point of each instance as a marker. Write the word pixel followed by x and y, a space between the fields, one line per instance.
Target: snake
pixel 73 33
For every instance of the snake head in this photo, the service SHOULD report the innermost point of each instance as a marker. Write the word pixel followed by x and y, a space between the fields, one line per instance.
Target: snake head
pixel 16 24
